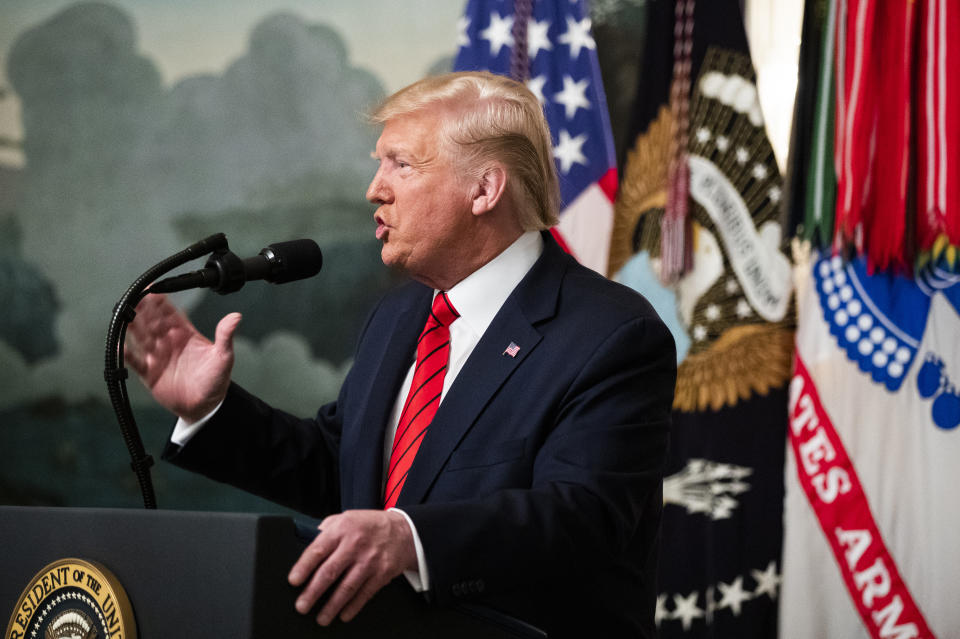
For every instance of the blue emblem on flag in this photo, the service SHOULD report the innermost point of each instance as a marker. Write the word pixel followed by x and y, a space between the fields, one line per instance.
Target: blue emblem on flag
pixel 934 382
pixel 878 320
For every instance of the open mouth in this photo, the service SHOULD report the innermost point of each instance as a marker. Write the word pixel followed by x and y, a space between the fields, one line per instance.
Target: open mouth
pixel 381 227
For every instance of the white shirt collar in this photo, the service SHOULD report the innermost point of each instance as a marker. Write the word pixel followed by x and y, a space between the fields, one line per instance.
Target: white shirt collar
pixel 479 296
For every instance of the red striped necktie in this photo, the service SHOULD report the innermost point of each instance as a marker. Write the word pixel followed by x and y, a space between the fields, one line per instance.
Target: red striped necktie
pixel 423 398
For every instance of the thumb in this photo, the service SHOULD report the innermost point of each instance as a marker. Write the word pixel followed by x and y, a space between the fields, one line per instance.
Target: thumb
pixel 223 337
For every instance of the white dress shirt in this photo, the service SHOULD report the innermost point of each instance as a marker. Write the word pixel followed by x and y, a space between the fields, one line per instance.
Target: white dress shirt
pixel 478 298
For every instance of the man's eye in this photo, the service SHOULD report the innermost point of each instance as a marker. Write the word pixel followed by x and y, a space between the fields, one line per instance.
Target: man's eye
pixel 402 164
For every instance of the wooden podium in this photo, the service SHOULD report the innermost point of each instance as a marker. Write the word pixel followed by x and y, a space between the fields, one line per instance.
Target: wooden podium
pixel 199 574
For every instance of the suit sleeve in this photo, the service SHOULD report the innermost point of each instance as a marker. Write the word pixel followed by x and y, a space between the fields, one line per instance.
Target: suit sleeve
pixel 268 452
pixel 595 495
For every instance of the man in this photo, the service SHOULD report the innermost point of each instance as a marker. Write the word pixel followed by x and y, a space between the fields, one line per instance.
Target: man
pixel 511 404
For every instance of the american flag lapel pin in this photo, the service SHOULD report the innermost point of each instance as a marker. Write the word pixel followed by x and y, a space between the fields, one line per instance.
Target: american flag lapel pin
pixel 512 350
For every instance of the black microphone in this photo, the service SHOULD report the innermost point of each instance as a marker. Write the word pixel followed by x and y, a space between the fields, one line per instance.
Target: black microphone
pixel 225 273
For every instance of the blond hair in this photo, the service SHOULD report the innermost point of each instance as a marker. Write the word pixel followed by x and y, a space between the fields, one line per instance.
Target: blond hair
pixel 491 118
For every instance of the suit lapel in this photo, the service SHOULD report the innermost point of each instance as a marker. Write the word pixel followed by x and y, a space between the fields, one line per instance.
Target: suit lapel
pixel 488 368
pixel 399 345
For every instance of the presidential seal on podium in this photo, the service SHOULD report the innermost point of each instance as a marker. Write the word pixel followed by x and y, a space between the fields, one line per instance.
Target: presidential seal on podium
pixel 72 599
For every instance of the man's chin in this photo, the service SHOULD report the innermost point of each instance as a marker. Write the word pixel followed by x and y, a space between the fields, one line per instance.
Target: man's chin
pixel 390 259
pixel 401 264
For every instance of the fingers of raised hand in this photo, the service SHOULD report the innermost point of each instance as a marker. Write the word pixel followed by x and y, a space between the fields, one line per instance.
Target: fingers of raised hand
pixel 133 355
pixel 143 347
pixel 148 312
pixel 147 327
pixel 156 318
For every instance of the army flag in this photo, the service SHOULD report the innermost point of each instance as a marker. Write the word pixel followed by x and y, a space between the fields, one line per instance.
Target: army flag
pixel 871 504
pixel 873 413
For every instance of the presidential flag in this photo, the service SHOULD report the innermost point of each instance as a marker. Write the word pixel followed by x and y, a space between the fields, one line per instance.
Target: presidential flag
pixel 731 313
pixel 549 45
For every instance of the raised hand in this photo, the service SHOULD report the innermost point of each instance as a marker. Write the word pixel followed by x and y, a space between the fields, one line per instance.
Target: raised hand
pixel 186 373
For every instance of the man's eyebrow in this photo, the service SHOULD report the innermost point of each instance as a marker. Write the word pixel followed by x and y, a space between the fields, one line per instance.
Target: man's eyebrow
pixel 389 154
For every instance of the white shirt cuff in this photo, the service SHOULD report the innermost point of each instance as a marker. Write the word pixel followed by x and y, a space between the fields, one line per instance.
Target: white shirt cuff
pixel 184 430
pixel 419 579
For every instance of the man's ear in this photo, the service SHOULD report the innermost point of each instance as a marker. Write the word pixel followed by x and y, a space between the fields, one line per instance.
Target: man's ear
pixel 489 189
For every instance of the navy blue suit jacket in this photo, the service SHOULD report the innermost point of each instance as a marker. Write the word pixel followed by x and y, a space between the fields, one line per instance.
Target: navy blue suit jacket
pixel 537 488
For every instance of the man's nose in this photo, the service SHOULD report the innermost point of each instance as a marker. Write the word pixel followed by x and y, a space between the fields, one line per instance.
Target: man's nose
pixel 378 192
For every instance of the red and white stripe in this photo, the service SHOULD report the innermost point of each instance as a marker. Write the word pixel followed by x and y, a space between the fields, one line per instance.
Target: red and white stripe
pixel 587 222
pixel 856 116
pixel 829 479
pixel 938 143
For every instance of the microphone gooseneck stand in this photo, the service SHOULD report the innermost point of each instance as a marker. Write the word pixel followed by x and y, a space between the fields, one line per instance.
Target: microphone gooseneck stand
pixel 115 373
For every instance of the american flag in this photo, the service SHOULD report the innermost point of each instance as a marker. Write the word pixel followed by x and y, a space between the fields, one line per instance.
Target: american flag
pixel 512 350
pixel 565 75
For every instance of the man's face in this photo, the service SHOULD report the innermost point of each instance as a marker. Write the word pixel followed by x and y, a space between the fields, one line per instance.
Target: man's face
pixel 423 210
